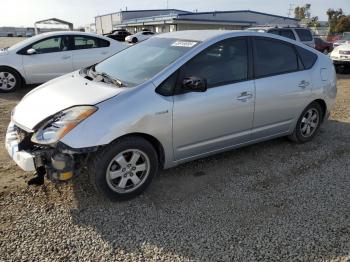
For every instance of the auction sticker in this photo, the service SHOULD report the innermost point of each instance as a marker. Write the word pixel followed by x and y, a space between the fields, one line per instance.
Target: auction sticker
pixel 184 43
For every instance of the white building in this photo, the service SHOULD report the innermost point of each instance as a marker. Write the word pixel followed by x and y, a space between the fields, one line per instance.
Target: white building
pixel 166 20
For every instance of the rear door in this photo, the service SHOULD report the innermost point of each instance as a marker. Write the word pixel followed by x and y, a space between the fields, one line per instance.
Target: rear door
pixel 52 58
pixel 282 86
pixel 89 50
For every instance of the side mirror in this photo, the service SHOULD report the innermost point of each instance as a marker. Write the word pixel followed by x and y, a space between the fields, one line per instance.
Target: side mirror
pixel 194 84
pixel 31 51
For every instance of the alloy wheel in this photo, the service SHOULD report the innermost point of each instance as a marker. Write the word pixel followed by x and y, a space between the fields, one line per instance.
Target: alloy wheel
pixel 309 122
pixel 128 171
pixel 7 81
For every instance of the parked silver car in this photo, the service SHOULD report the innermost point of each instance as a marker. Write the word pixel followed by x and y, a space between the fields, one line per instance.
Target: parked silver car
pixel 173 98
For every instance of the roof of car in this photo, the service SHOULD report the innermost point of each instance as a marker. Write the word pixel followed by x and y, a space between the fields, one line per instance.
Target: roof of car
pixel 267 27
pixel 197 35
pixel 66 33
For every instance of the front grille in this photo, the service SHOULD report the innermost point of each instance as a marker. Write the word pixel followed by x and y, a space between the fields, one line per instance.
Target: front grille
pixel 343 52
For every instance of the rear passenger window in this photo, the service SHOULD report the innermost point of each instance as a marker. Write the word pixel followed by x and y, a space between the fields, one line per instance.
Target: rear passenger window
pixel 222 63
pixel 283 32
pixel 86 42
pixel 307 57
pixel 274 57
pixel 288 33
pixel 304 34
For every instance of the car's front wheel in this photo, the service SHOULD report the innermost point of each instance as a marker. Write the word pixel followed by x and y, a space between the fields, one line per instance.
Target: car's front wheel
pixel 308 123
pixel 134 40
pixel 124 169
pixel 10 80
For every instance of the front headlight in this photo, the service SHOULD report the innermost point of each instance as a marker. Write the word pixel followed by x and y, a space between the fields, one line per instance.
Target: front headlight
pixel 60 124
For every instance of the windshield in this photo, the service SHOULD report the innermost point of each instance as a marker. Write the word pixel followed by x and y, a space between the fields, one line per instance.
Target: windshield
pixel 138 63
pixel 24 42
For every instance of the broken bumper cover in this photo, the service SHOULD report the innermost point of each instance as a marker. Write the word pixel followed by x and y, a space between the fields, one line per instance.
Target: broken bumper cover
pixel 23 159
pixel 59 162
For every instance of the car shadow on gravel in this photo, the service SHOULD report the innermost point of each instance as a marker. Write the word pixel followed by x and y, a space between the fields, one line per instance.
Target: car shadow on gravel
pixel 271 201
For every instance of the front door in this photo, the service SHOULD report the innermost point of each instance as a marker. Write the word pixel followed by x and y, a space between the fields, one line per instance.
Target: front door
pixel 52 58
pixel 222 116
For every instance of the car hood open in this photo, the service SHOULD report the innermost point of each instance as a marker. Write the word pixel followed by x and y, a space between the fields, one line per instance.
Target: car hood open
pixel 58 94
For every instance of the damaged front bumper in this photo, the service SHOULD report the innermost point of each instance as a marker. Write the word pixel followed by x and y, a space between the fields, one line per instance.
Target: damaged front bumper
pixel 59 162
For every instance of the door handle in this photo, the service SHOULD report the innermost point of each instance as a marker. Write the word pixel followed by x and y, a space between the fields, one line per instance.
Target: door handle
pixel 66 57
pixel 303 84
pixel 244 96
pixel 104 53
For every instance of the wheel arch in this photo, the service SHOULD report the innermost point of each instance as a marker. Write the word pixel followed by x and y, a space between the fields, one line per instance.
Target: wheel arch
pixel 154 142
pixel 323 105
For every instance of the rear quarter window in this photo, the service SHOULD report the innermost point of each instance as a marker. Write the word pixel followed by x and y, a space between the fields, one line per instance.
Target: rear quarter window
pixel 307 57
pixel 304 34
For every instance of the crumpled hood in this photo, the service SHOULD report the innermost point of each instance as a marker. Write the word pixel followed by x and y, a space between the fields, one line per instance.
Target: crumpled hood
pixel 58 94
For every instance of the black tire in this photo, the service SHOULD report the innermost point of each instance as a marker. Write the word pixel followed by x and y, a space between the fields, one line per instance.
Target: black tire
pixel 297 135
pixel 134 40
pixel 5 71
pixel 101 161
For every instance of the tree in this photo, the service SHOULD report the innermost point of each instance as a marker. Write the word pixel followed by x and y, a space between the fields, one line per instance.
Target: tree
pixel 343 25
pixel 333 18
pixel 302 12
pixel 313 22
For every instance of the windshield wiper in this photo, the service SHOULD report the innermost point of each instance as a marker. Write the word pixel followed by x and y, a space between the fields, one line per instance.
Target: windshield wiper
pixel 107 77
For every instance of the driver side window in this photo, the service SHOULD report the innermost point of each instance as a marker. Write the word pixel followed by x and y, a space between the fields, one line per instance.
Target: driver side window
pixel 51 45
pixel 222 63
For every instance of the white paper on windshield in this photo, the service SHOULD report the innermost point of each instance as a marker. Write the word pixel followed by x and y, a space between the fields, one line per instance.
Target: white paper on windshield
pixel 184 43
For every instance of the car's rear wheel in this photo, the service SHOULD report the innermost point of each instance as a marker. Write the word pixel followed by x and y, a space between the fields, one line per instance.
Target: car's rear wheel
pixel 10 80
pixel 308 123
pixel 124 169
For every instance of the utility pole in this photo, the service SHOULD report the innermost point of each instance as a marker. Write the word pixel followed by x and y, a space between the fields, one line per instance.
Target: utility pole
pixel 290 9
pixel 167 4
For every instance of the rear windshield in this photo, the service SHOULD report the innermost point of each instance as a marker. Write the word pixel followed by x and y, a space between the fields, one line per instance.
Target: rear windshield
pixel 304 34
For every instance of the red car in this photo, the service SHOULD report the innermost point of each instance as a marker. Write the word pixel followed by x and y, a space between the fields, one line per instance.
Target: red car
pixel 323 46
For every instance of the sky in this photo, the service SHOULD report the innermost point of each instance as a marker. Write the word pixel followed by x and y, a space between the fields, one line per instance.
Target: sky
pixel 82 12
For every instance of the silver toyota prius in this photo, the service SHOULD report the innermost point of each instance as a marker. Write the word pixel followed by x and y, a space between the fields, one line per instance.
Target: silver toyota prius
pixel 173 98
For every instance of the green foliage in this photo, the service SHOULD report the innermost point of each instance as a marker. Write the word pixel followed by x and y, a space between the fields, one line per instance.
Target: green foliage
pixel 313 22
pixel 343 25
pixel 334 17
pixel 302 12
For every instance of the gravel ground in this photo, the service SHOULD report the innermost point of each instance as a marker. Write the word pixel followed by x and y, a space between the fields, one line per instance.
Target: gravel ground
pixel 9 41
pixel 274 201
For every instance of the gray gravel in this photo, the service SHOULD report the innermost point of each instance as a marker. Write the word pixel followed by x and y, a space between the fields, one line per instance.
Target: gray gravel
pixel 274 201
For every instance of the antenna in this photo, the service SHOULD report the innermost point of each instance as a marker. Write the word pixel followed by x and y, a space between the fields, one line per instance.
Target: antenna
pixel 290 9
pixel 167 4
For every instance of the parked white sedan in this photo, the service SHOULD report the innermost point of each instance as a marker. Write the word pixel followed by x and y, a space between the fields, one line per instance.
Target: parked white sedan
pixel 138 37
pixel 46 56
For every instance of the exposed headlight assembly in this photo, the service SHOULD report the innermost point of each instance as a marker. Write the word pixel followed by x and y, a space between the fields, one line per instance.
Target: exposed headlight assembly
pixel 60 124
